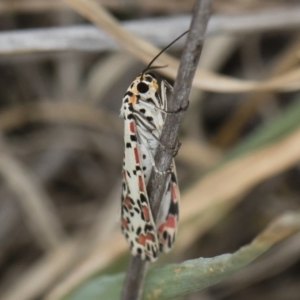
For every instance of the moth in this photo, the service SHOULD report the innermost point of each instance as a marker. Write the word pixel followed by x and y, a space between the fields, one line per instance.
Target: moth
pixel 144 109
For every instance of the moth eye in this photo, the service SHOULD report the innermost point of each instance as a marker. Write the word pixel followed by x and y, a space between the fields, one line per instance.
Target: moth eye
pixel 142 87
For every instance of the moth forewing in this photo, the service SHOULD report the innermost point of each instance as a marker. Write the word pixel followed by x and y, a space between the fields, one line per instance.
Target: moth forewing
pixel 136 218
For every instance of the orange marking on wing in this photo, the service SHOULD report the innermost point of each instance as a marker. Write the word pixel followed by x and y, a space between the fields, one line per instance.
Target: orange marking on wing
pixel 146 213
pixel 136 156
pixel 141 184
pixel 132 99
pixel 127 202
pixel 169 223
pixel 150 236
pixel 161 227
pixel 124 223
pixel 143 238
pixel 173 192
pixel 132 127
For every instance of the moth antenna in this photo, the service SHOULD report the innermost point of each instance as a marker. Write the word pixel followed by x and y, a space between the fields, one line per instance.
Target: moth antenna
pixel 161 52
pixel 156 67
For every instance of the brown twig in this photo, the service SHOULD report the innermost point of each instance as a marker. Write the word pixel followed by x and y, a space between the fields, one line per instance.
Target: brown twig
pixel 189 61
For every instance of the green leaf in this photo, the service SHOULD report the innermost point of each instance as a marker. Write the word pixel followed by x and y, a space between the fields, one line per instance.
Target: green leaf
pixel 175 281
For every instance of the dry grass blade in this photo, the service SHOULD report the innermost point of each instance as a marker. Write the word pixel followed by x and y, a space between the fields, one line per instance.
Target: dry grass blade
pixel 254 167
pixel 69 254
pixel 145 52
pixel 231 129
pixel 40 213
pixel 65 111
pixel 276 262
pixel 107 252
pixel 159 31
pixel 103 76
pixel 197 155
pixel 16 6
pixel 45 272
pixel 28 6
pixel 281 228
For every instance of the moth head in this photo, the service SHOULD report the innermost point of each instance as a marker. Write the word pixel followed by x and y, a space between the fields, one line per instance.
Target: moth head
pixel 146 85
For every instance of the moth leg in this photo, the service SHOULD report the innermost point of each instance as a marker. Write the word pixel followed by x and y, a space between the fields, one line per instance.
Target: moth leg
pixel 173 150
pixel 143 122
pixel 153 106
pixel 180 109
pixel 176 148
pixel 185 106
pixel 143 140
pixel 165 85
pixel 157 170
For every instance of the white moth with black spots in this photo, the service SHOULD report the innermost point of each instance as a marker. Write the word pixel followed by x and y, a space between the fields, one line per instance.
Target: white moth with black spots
pixel 144 110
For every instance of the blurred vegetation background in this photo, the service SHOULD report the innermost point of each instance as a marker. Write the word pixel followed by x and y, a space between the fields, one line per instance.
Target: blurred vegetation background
pixel 61 86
